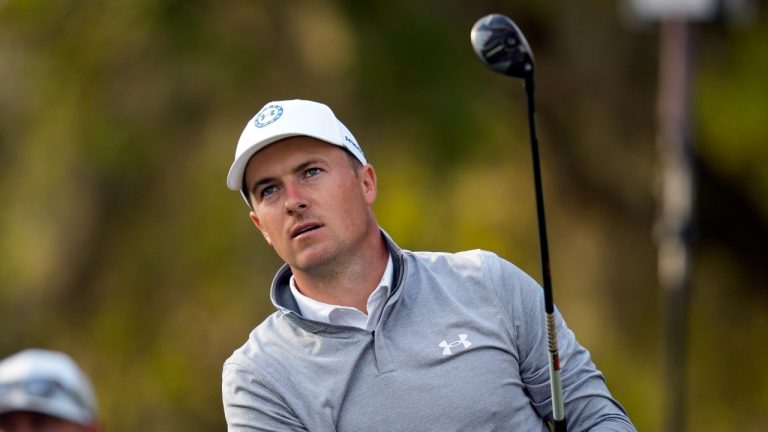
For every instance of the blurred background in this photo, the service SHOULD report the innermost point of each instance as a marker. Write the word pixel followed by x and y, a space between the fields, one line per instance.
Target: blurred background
pixel 121 245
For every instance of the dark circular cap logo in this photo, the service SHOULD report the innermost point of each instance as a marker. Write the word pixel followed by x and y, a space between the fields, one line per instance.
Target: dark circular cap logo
pixel 268 115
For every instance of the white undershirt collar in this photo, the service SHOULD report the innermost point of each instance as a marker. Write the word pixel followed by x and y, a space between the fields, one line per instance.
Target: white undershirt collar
pixel 347 315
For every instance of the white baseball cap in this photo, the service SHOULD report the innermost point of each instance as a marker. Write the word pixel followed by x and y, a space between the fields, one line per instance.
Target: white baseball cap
pixel 46 382
pixel 283 119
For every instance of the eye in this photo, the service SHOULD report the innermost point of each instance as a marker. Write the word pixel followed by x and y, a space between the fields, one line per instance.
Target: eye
pixel 267 190
pixel 311 172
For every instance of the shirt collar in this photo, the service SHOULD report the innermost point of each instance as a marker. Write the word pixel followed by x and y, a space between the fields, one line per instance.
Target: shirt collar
pixel 345 315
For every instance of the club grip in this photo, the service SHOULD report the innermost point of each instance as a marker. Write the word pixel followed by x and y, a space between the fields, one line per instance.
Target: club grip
pixel 559 426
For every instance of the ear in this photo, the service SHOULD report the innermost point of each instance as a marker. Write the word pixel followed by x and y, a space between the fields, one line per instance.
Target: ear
pixel 256 221
pixel 367 176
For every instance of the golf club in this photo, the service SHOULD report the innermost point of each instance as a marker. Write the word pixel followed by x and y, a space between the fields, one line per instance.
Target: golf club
pixel 502 47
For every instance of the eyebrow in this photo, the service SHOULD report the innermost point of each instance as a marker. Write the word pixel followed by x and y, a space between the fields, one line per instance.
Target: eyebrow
pixel 300 167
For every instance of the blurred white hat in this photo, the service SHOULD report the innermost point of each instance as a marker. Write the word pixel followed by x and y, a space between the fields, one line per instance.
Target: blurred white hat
pixel 46 382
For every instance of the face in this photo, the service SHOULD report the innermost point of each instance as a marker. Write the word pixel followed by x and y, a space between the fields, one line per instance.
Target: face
pixel 311 203
pixel 22 421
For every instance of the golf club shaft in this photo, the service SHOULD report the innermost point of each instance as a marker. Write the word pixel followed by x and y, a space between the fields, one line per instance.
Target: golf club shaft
pixel 558 410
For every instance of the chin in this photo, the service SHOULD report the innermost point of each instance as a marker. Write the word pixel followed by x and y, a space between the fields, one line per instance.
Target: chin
pixel 313 260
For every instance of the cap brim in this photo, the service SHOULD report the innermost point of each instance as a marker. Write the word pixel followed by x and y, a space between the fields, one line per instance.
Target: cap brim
pixel 237 170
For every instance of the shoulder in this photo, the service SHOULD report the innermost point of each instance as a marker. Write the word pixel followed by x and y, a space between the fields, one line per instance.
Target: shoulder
pixel 474 270
pixel 464 259
pixel 254 356
pixel 466 263
pixel 252 385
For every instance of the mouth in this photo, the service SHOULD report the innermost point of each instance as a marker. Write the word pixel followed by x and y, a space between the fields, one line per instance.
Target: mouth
pixel 303 229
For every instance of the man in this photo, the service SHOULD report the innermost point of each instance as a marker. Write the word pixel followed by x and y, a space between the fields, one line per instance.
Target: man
pixel 371 337
pixel 43 390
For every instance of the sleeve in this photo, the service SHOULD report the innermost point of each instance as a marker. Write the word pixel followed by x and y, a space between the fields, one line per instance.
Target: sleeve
pixel 251 405
pixel 587 401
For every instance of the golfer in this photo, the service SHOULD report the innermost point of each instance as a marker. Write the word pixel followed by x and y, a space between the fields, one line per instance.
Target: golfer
pixel 371 337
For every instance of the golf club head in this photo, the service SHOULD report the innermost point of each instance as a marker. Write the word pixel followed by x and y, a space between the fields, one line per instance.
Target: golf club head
pixel 501 46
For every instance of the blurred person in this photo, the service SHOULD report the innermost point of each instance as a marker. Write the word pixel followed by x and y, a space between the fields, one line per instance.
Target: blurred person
pixel 42 390
pixel 371 337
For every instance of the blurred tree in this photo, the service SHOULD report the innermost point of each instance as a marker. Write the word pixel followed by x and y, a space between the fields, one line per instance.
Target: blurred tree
pixel 120 244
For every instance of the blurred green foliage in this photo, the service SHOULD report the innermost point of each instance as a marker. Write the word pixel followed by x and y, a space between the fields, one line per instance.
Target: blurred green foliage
pixel 120 244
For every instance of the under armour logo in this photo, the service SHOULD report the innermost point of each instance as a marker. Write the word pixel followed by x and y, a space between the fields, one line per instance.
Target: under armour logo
pixel 447 346
pixel 267 115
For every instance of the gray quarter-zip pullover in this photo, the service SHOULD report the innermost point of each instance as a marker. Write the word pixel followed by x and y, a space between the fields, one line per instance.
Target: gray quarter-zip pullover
pixel 460 346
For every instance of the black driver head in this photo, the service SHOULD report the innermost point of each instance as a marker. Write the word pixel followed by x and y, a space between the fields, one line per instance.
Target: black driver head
pixel 501 46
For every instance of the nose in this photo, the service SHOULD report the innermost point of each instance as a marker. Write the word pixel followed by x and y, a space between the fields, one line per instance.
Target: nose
pixel 295 200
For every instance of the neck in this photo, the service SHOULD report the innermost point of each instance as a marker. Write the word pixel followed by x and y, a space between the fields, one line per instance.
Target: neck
pixel 351 279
